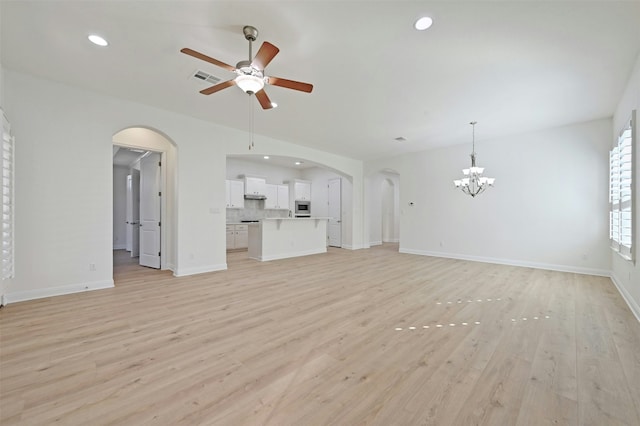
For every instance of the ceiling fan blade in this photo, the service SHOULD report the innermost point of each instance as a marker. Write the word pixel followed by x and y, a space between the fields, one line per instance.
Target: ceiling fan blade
pixel 218 87
pixel 206 58
pixel 266 53
pixel 264 100
pixel 290 84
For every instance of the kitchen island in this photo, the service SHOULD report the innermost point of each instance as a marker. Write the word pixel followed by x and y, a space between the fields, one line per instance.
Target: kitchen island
pixel 281 238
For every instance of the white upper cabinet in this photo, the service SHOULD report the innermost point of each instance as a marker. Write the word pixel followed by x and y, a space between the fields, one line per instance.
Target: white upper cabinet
pixel 235 194
pixel 277 197
pixel 283 197
pixel 302 190
pixel 255 185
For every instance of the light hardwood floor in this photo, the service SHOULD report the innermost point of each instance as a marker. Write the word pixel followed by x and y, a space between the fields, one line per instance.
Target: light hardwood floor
pixel 343 338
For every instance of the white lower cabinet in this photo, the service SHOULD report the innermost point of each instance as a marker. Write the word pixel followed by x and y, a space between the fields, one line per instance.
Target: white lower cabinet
pixel 237 237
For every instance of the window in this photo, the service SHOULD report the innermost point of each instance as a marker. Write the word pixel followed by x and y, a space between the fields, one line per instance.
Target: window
pixel 621 191
pixel 7 198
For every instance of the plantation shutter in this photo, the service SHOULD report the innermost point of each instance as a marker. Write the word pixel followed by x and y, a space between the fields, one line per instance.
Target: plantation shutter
pixel 621 191
pixel 626 180
pixel 7 199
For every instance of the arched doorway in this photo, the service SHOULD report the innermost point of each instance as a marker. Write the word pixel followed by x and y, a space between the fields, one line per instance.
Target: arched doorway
pixel 388 214
pixel 384 207
pixel 142 145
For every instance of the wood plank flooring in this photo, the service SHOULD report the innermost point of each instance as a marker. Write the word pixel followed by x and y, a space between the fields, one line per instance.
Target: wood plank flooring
pixel 344 338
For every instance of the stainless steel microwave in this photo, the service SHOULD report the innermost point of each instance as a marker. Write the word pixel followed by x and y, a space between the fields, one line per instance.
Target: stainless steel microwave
pixel 303 208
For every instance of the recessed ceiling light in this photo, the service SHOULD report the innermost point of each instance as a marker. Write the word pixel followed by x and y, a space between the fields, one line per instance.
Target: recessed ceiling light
pixel 299 162
pixel 266 157
pixel 96 39
pixel 423 23
pixel 274 105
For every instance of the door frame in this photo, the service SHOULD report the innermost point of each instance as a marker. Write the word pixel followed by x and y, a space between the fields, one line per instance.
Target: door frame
pixel 339 179
pixel 163 199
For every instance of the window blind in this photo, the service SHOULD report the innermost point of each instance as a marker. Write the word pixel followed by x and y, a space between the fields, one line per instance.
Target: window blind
pixel 7 166
pixel 621 191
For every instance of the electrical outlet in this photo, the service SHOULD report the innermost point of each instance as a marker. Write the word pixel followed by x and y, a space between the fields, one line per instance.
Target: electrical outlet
pixel 92 266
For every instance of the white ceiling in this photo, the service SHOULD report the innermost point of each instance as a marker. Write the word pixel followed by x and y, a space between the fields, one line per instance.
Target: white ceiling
pixel 126 156
pixel 513 66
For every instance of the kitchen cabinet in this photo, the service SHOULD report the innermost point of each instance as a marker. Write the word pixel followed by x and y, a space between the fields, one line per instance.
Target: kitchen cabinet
pixel 255 185
pixel 237 237
pixel 277 197
pixel 235 194
pixel 302 190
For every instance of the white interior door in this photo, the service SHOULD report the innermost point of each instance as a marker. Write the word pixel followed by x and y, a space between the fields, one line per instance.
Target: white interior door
pixel 150 211
pixel 129 214
pixel 135 213
pixel 334 228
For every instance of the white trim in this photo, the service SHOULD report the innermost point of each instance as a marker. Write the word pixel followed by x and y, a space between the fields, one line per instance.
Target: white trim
pixel 510 262
pixel 375 243
pixel 183 272
pixel 392 240
pixel 23 296
pixel 172 267
pixel 352 247
pixel 633 305
pixel 119 246
pixel 292 254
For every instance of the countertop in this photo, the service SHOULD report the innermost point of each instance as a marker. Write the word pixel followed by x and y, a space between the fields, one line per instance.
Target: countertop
pixel 297 218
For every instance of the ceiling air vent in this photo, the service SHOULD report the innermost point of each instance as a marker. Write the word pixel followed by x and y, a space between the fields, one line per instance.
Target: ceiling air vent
pixel 206 77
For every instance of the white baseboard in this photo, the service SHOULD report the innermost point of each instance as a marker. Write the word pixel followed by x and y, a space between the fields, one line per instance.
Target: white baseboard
pixel 510 262
pixel 183 272
pixel 169 266
pixel 23 296
pixel 119 246
pixel 393 240
pixel 633 305
pixel 375 243
pixel 288 255
pixel 352 247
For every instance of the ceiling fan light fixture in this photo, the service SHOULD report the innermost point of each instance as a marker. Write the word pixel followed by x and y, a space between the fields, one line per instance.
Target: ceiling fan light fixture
pixel 249 83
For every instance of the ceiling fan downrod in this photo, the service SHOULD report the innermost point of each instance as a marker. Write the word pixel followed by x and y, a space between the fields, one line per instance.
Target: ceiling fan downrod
pixel 251 34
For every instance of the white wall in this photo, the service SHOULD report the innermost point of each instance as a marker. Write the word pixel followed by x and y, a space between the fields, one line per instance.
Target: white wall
pixel 626 274
pixel 1 85
pixel 548 209
pixel 120 207
pixel 3 283
pixel 274 174
pixel 51 120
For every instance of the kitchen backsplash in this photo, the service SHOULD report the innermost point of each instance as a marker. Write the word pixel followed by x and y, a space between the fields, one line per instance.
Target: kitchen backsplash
pixel 253 210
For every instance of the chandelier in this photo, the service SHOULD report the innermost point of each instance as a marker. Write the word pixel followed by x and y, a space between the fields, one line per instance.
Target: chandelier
pixel 473 183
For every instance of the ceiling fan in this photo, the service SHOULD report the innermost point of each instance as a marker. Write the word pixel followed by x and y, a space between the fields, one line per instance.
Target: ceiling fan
pixel 251 78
